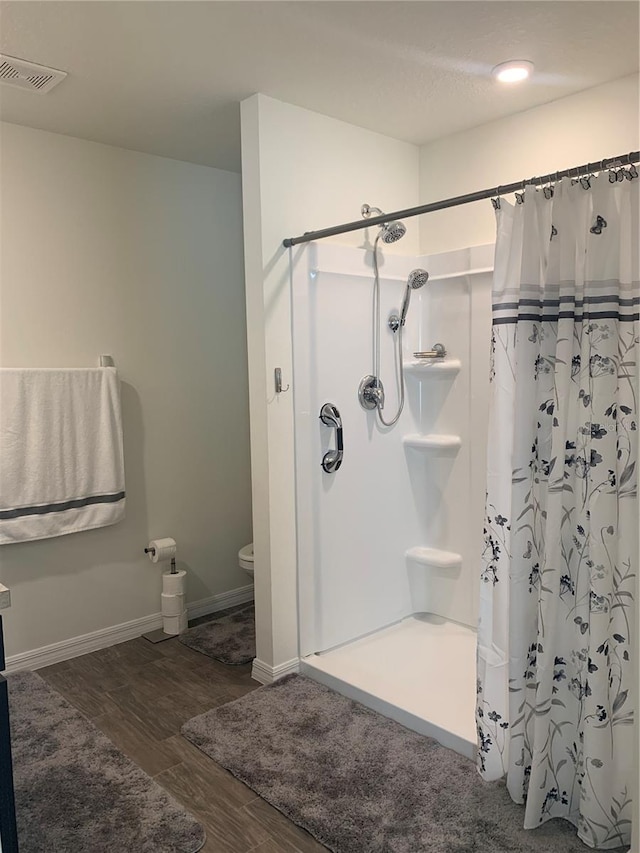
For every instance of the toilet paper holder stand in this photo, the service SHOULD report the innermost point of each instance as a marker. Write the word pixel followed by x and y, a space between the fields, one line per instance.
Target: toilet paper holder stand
pixel 159 635
pixel 152 551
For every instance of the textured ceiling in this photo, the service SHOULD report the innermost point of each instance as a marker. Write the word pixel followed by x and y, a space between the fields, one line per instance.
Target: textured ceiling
pixel 167 77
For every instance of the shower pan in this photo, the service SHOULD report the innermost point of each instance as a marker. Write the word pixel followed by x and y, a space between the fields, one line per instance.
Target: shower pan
pixel 388 543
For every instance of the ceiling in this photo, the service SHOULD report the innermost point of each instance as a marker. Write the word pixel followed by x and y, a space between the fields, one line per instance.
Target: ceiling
pixel 167 77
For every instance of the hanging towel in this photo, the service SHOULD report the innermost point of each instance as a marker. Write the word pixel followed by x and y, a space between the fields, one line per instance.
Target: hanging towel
pixel 61 457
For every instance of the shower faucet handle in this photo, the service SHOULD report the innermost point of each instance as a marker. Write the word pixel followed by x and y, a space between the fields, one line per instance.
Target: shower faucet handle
pixel 371 393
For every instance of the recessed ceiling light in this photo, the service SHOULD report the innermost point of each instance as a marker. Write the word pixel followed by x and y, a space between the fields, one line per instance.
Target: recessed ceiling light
pixel 513 71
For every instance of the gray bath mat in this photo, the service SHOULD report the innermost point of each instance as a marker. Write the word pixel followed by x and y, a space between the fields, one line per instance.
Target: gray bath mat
pixel 230 639
pixel 360 783
pixel 76 792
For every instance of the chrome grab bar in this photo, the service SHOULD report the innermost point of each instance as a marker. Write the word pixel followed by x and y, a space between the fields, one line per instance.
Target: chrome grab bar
pixel 332 459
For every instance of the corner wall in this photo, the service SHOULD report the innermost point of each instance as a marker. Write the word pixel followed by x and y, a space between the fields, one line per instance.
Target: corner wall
pixel 301 171
pixel 112 251
pixel 592 125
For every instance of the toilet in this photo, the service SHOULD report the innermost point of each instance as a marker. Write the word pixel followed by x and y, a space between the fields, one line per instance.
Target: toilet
pixel 245 559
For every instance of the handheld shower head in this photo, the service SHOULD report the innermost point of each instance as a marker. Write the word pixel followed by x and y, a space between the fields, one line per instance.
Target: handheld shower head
pixel 417 278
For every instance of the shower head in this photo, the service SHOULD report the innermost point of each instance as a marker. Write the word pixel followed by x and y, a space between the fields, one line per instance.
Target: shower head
pixel 417 278
pixel 392 231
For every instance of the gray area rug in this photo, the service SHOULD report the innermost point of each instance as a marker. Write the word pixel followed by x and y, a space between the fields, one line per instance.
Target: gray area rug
pixel 360 783
pixel 231 639
pixel 76 792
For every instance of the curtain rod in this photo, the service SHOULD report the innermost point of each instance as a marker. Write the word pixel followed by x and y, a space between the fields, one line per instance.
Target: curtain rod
pixel 576 171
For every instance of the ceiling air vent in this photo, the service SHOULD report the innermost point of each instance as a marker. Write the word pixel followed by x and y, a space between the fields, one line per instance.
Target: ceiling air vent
pixel 28 75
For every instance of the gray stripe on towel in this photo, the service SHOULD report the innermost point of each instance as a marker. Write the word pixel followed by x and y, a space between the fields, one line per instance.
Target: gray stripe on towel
pixel 60 507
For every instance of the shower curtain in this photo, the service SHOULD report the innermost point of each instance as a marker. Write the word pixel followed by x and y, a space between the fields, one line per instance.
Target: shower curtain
pixel 558 614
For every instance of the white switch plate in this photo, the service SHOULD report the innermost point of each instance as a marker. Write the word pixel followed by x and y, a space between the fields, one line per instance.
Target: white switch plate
pixel 5 597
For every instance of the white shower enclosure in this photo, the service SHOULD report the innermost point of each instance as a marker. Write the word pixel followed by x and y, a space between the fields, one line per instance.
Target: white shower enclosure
pixel 389 544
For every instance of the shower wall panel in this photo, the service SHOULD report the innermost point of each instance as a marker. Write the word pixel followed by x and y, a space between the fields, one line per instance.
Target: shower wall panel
pixel 355 526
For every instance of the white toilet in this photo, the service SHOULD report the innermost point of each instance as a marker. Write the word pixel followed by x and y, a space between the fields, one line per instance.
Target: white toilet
pixel 245 559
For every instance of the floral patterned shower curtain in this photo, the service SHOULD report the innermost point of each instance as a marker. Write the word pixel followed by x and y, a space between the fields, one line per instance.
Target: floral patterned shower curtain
pixel 558 615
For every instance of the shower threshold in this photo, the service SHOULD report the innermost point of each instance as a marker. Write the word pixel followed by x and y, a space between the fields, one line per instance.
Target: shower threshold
pixel 420 672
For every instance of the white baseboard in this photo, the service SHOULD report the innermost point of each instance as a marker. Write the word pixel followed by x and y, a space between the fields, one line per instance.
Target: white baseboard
pixel 205 606
pixel 76 646
pixel 266 674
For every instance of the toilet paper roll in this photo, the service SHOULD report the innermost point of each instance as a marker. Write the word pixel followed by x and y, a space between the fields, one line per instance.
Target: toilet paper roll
pixel 172 605
pixel 174 624
pixel 174 584
pixel 161 549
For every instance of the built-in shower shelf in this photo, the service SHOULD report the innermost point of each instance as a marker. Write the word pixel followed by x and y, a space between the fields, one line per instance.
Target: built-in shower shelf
pixel 434 557
pixel 433 367
pixel 432 442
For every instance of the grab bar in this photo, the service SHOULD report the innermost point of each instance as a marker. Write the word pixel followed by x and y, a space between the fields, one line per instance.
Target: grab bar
pixel 332 459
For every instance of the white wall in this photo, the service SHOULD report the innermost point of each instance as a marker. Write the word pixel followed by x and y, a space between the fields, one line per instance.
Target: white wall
pixel 112 251
pixel 594 124
pixel 301 171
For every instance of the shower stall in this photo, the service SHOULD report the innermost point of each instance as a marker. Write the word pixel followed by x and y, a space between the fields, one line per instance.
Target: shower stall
pixel 389 538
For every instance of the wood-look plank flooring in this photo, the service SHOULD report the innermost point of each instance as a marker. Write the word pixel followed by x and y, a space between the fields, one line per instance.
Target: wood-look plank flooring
pixel 139 694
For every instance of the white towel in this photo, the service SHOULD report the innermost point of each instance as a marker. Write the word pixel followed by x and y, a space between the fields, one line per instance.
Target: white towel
pixel 61 457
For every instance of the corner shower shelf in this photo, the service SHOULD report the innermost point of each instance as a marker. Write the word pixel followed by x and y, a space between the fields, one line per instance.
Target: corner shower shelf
pixel 434 558
pixel 432 442
pixel 436 367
